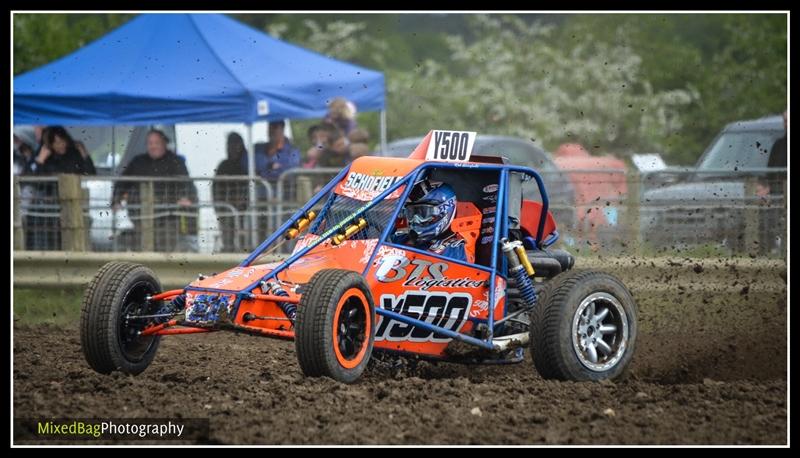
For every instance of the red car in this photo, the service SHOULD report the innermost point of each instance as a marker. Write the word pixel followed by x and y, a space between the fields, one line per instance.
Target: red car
pixel 600 186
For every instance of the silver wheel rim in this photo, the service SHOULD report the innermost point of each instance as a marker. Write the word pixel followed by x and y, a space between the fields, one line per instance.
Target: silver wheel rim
pixel 600 332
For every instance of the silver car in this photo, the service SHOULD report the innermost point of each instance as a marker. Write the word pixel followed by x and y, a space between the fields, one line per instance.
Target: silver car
pixel 707 204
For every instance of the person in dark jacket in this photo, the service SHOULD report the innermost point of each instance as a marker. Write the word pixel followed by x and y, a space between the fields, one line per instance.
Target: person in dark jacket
pixel 231 193
pixel 61 154
pixel 175 219
pixel 58 154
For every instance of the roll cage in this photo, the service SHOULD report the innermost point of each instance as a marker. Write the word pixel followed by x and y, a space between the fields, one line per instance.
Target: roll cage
pixel 496 267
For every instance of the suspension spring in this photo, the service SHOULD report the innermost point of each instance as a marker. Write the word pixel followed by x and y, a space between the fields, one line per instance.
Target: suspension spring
pixel 520 268
pixel 290 310
pixel 525 285
pixel 172 307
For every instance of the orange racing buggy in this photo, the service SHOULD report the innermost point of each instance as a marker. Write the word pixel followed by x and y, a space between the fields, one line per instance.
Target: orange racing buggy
pixel 349 289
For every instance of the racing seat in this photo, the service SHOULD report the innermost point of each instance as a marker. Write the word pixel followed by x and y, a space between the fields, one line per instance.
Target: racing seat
pixel 530 215
pixel 467 223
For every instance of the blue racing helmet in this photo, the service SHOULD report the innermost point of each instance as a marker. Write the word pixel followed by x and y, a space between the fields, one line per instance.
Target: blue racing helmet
pixel 431 214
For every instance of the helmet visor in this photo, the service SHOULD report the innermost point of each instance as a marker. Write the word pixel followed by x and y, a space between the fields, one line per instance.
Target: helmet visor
pixel 423 213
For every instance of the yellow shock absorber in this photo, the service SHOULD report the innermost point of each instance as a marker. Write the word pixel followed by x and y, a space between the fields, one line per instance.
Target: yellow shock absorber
pixel 300 225
pixel 349 232
pixel 523 259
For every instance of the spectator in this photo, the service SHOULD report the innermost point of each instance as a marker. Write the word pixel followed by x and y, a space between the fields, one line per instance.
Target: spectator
pixel 777 156
pixel 59 154
pixel 342 114
pixel 24 147
pixel 359 143
pixel 319 137
pixel 173 232
pixel 336 152
pixel 276 156
pixel 40 132
pixel 231 193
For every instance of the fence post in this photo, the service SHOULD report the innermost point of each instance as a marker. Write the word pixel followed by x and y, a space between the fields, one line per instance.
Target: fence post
pixel 632 203
pixel 750 212
pixel 147 216
pixel 304 189
pixel 70 197
pixel 87 218
pixel 19 235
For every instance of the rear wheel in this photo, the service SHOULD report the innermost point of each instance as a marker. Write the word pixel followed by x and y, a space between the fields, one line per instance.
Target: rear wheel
pixel 109 334
pixel 334 328
pixel 584 328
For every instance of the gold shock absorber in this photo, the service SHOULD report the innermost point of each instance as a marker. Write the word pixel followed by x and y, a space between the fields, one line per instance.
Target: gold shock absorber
pixel 351 229
pixel 300 225
pixel 523 259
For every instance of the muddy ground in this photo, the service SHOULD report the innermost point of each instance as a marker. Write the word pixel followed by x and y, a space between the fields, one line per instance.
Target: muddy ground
pixel 710 368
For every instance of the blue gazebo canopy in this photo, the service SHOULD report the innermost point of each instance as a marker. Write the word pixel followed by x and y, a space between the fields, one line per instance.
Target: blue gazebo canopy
pixel 176 68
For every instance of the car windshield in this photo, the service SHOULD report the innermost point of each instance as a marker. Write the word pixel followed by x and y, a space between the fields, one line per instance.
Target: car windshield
pixel 738 150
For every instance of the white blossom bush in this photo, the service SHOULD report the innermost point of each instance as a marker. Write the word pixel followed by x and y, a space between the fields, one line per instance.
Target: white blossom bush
pixel 514 80
pixel 511 80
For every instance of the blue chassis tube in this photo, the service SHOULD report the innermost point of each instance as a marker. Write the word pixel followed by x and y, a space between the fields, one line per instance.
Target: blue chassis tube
pixel 500 228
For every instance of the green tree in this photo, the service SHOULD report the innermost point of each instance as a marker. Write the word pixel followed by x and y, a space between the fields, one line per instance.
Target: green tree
pixel 615 82
pixel 735 63
pixel 514 80
pixel 41 38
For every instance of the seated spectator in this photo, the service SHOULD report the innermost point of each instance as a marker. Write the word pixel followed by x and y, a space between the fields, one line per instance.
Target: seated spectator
pixel 232 193
pixel 342 114
pixel 276 156
pixel 173 232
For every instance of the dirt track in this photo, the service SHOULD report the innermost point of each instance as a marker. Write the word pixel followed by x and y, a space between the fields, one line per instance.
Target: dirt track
pixel 710 368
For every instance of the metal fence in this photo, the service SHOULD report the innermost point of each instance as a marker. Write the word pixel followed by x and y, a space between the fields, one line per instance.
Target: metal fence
pixel 168 214
pixel 606 210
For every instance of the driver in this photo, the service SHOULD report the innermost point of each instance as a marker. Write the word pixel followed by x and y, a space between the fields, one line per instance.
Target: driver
pixel 430 211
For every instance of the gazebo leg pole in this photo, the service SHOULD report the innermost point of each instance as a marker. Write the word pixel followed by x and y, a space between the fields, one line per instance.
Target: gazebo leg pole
pixel 383 130
pixel 251 187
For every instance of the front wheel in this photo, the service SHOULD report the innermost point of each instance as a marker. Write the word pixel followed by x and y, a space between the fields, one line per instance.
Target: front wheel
pixel 109 328
pixel 584 328
pixel 335 326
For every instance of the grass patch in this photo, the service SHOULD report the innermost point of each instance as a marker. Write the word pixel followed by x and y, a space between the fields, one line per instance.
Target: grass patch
pixel 47 305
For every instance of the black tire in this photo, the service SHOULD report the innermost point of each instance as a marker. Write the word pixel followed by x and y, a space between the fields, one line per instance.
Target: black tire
pixel 108 342
pixel 318 353
pixel 557 354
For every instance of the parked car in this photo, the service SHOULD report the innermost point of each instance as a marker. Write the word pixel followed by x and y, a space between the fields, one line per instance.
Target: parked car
pixel 706 203
pixel 519 152
pixel 600 188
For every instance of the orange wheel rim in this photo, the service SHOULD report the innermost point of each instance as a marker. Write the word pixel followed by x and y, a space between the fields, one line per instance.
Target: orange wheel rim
pixel 352 327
